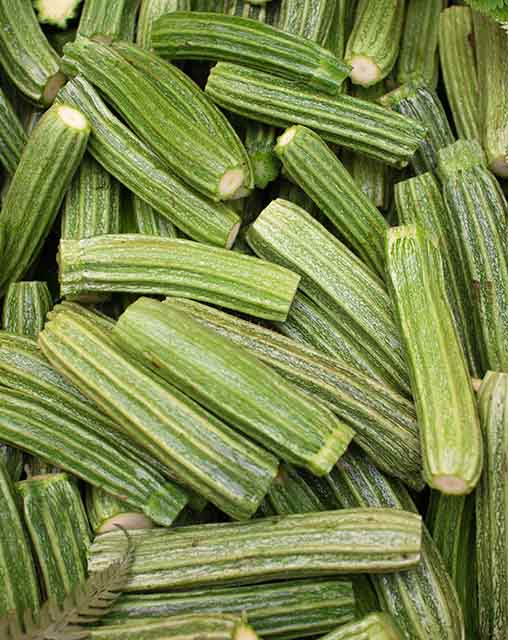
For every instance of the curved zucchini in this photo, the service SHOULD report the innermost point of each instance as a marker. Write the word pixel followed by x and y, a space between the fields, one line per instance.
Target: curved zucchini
pixel 149 11
pixel 106 513
pixel 108 20
pixel 12 136
pixel 26 305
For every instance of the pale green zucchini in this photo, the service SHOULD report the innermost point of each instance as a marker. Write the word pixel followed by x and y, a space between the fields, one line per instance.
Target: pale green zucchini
pixel 59 531
pixel 149 11
pixel 27 57
pixel 31 204
pixel 290 494
pixel 458 64
pixel 355 124
pixel 56 12
pixel 132 163
pixel 310 163
pixel 477 219
pixel 375 626
pixel 279 547
pixel 230 382
pixel 211 36
pixel 12 458
pixel 311 19
pixel 260 140
pixel 444 396
pixel 25 307
pixel 150 223
pixel 108 20
pixel 20 590
pixel 147 264
pixel 199 450
pixel 106 513
pixel 336 40
pixel 384 422
pixel 12 136
pixel 373 45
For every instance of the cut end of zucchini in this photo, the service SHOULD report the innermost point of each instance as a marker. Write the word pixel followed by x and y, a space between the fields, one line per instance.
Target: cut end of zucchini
pixel 53 86
pixel 477 383
pixel 286 138
pixel 230 183
pixel 451 485
pixel 73 118
pixel 127 521
pixel 232 235
pixel 364 71
pixel 499 166
pixel 244 632
pixel 56 12
pixel 333 449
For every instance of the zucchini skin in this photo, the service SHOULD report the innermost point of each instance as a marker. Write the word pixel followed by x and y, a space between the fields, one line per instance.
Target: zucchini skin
pixel 375 626
pixel 350 122
pixel 303 545
pixel 311 19
pixel 336 40
pixel 25 307
pixel 212 36
pixel 59 531
pixel 150 223
pixel 291 494
pixel 105 513
pixel 149 11
pixel 12 459
pixel 384 421
pixel 12 136
pixel 198 450
pixel 444 397
pixel 132 163
pixel 108 20
pixel 37 189
pixel 310 163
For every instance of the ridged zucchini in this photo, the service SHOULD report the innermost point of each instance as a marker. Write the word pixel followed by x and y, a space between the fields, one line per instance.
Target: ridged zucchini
pixel 355 124
pixel 108 20
pixel 290 494
pixel 375 626
pixel 56 12
pixel 12 136
pixel 149 11
pixel 59 531
pixel 25 307
pixel 370 176
pixel 336 40
pixel 31 204
pixel 150 223
pixel 310 163
pixel 12 458
pixel 133 164
pixel 256 9
pixel 444 397
pixel 212 36
pixel 311 19
pixel 260 140
pixel 105 512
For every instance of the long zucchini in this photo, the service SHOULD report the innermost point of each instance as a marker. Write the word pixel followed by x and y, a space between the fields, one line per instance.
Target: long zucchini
pixel 108 20
pixel 375 626
pixel 311 19
pixel 149 11
pixel 26 305
pixel 12 136
pixel 106 513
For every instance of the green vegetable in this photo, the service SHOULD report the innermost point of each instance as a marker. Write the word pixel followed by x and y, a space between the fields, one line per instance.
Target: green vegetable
pixel 149 11
pixel 106 513
pixel 25 307
pixel 57 12
pixel 12 459
pixel 311 19
pixel 12 136
pixel 496 9
pixel 150 223
pixel 108 20
pixel 290 494
pixel 376 626
pixel 260 142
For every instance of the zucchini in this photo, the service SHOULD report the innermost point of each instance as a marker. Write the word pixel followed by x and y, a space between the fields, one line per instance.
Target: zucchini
pixel 106 513
pixel 37 467
pixel 477 217
pixel 311 19
pixel 384 422
pixel 132 163
pixel 150 223
pixel 12 136
pixel 59 531
pixel 334 278
pixel 149 11
pixel 198 450
pixel 355 124
pixel 444 396
pixel 288 190
pixel 150 265
pixel 370 176
pixel 279 547
pixel 280 610
pixel 260 142
pixel 108 20
pixel 26 305
pixel 212 36
pixel 20 590
pixel 290 494
pixel 336 40
pixel 310 163
pixel 27 57
pixel 57 13
pixel 12 458
pixel 31 204
pixel 375 626
pixel 373 44
pixel 262 11
pixel 458 64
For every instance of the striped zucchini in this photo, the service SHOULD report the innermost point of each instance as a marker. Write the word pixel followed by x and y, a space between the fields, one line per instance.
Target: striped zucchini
pixel 222 377
pixel 26 305
pixel 108 20
pixel 149 11
pixel 355 124
pixel 310 163
pixel 106 513
pixel 290 494
pixel 279 547
pixel 336 40
pixel 59 531
pixel 477 217
pixel 334 278
pixel 262 11
pixel 373 45
pixel 288 190
pixel 31 204
pixel 260 142
pixel 205 163
pixel 384 422
pixel 491 512
pixel 212 36
pixel 13 460
pixel 132 163
pixel 375 626
pixel 20 589
pixel 370 176
pixel 279 610
pixel 311 19
pixel 150 223
pixel 416 100
pixel 147 264
pixel 27 57
pixel 444 397
pixel 199 450
pixel 56 12
pixel 458 64
pixel 12 136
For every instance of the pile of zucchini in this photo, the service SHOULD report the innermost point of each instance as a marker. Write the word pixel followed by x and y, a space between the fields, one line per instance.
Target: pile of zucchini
pixel 254 328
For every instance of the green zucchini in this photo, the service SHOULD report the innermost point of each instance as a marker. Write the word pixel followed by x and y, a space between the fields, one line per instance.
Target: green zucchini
pixel 105 512
pixel 148 264
pixel 288 190
pixel 260 142
pixel 314 167
pixel 149 11
pixel 290 494
pixel 355 124
pixel 373 45
pixel 458 64
pixel 311 19
pixel 375 626
pixel 20 590
pixel 280 610
pixel 199 450
pixel 108 20
pixel 35 466
pixel 262 11
pixel 31 204
pixel 278 547
pixel 371 177
pixel 477 219
pixel 444 396
pixel 132 163
pixel 25 307
pixel 336 40
pixel 212 36
pixel 491 513
pixel 150 223
pixel 56 12
pixel 12 136
pixel 12 458
pixel 334 278
pixel 27 57
pixel 207 5
pixel 59 531
pixel 384 422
